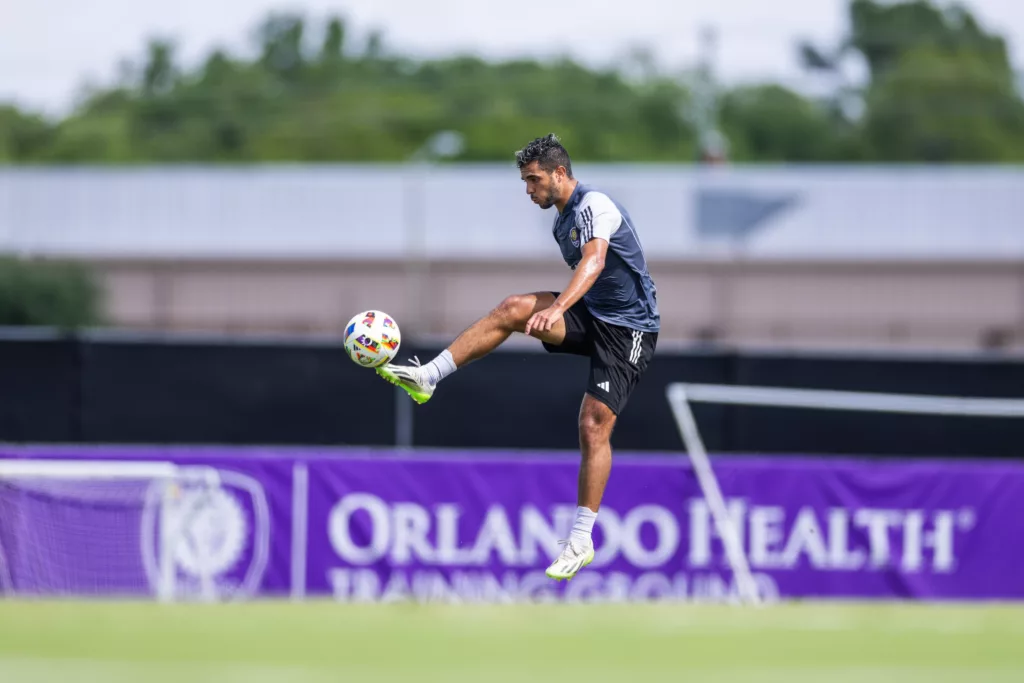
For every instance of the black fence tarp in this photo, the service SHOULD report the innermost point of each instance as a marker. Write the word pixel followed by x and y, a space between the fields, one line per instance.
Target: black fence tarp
pixel 115 389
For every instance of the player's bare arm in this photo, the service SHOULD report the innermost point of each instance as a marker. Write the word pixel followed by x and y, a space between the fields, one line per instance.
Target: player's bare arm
pixel 583 279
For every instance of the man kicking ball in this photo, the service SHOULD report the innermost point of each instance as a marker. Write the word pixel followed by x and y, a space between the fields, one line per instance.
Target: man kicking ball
pixel 608 312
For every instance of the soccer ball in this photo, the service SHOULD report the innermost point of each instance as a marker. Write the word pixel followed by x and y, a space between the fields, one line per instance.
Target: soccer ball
pixel 372 339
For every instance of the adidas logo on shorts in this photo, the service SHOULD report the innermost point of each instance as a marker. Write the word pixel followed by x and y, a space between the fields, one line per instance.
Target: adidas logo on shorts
pixel 603 386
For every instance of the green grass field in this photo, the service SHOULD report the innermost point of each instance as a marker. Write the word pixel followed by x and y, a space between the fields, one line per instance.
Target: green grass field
pixel 85 642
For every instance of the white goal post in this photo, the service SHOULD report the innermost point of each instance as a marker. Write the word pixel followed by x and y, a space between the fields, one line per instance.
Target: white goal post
pixel 95 527
pixel 681 395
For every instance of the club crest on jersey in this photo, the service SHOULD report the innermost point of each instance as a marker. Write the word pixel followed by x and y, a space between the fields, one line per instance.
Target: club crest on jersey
pixel 574 235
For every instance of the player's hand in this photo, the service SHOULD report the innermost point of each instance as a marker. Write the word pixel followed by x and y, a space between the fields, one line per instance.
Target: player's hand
pixel 543 321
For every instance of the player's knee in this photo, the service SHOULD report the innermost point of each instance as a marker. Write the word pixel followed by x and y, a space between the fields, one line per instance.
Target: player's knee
pixel 515 310
pixel 596 422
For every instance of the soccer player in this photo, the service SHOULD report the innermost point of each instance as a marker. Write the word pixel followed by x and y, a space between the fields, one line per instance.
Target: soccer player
pixel 608 312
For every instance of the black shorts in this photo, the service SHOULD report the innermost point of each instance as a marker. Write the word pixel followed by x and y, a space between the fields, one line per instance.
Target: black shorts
pixel 618 355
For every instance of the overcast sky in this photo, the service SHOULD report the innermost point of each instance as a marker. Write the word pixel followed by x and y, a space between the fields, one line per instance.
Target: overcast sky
pixel 49 48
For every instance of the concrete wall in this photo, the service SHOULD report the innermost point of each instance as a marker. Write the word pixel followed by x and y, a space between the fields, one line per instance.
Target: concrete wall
pixel 798 304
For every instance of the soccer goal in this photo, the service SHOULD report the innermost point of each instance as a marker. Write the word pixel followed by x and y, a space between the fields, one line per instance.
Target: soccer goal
pixel 681 395
pixel 97 528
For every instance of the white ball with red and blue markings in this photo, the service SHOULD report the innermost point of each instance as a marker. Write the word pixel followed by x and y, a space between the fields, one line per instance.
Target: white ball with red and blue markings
pixel 372 339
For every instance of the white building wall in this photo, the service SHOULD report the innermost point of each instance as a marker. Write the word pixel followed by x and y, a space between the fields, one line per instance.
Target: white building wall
pixel 343 212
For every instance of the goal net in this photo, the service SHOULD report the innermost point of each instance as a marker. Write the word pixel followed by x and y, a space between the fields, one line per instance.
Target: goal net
pixel 682 395
pixel 97 528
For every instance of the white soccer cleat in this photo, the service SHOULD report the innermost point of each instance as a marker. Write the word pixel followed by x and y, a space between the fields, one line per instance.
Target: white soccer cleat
pixel 573 558
pixel 412 378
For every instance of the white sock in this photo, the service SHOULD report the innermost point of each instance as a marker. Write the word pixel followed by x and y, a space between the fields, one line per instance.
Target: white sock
pixel 440 367
pixel 583 526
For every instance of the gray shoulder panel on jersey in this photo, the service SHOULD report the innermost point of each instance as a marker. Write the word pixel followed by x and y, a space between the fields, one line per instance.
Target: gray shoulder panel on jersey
pixel 597 216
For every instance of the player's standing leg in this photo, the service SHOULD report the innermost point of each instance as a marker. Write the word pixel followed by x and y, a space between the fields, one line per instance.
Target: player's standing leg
pixel 618 359
pixel 482 337
pixel 596 424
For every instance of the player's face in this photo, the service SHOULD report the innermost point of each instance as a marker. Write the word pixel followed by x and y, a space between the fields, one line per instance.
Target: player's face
pixel 544 187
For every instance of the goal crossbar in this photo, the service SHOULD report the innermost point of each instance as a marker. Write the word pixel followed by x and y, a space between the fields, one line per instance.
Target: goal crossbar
pixel 681 395
pixel 846 400
pixel 86 469
pixel 107 470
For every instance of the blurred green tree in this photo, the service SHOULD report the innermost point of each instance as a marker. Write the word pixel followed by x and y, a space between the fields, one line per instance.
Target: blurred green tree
pixel 770 123
pixel 938 107
pixel 23 137
pixel 939 88
pixel 48 294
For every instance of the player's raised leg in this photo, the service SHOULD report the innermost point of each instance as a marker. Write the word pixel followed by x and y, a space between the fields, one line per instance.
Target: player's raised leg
pixel 510 316
pixel 482 337
pixel 597 421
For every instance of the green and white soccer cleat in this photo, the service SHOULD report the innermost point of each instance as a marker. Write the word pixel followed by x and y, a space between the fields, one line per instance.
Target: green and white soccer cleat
pixel 412 378
pixel 573 558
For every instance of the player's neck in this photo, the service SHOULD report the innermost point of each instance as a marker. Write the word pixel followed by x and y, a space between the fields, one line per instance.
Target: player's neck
pixel 562 201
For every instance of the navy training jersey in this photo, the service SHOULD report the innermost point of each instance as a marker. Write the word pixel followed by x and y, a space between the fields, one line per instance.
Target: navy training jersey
pixel 624 293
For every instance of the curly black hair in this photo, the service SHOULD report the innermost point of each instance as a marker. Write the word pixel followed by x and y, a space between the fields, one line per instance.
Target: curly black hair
pixel 546 150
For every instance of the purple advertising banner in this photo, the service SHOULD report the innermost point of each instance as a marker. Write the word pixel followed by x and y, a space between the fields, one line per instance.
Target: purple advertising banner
pixel 361 525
